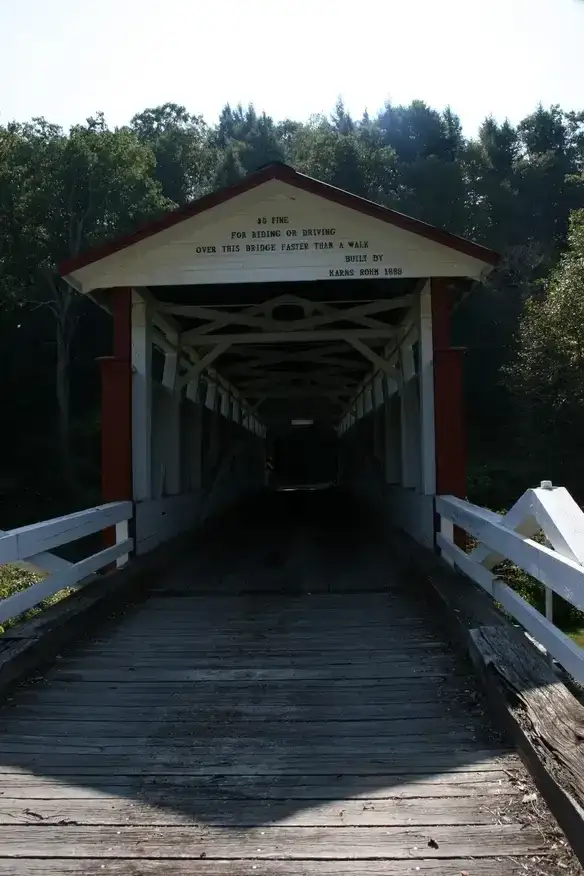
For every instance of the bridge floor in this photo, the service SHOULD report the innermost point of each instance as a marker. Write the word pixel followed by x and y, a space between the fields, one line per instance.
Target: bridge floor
pixel 280 704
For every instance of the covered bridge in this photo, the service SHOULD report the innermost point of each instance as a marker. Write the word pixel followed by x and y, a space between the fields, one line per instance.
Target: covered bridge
pixel 269 682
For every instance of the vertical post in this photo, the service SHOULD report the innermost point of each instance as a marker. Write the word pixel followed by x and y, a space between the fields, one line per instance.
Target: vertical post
pixel 426 365
pixel 391 430
pixel 141 399
pixel 194 394
pixel 450 433
pixel 116 408
pixel 409 420
pixel 215 433
pixel 122 534
pixel 549 613
pixel 172 426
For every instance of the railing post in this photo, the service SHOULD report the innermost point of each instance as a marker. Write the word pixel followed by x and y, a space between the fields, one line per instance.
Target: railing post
pixel 449 424
pixel 122 533
pixel 116 409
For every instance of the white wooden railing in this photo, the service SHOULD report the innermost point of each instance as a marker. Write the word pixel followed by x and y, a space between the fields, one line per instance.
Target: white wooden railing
pixel 558 565
pixel 30 547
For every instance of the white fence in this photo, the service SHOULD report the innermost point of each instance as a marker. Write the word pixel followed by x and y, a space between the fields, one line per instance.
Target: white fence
pixel 30 546
pixel 559 567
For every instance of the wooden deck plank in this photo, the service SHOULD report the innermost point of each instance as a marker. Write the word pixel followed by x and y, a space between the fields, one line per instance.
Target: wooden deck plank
pixel 289 843
pixel 74 730
pixel 281 710
pixel 161 675
pixel 286 787
pixel 159 746
pixel 245 762
pixel 202 867
pixel 352 693
pixel 221 813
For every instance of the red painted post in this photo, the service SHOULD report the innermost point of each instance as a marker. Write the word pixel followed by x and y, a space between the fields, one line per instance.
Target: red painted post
pixel 116 408
pixel 449 421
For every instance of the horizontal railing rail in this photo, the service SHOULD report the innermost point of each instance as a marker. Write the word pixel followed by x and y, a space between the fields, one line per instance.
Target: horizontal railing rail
pixel 557 565
pixel 30 547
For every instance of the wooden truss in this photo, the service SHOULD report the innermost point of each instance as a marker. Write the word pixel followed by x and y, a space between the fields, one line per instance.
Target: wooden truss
pixel 303 348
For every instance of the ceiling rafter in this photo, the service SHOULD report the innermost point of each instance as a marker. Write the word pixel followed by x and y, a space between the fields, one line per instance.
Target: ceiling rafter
pixel 259 317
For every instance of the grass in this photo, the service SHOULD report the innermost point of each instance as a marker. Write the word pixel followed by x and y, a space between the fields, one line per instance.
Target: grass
pixel 13 580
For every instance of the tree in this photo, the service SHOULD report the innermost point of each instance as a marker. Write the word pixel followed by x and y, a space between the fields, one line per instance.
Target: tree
pixel 547 375
pixel 66 194
pixel 252 141
pixel 185 157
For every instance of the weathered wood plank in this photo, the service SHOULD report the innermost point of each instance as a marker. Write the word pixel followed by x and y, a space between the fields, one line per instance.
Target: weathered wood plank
pixel 270 787
pixel 352 692
pixel 74 730
pixel 162 788
pixel 276 708
pixel 197 867
pixel 264 762
pixel 212 654
pixel 479 841
pixel 163 737
pixel 245 813
pixel 146 658
pixel 137 674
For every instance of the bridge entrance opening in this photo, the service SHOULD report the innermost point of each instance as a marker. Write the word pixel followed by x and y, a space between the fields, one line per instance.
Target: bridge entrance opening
pixel 281 333
pixel 304 455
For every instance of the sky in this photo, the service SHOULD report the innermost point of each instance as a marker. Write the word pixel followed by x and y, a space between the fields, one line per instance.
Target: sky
pixel 67 59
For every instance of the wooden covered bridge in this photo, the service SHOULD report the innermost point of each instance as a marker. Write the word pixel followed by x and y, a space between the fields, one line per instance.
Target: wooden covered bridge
pixel 264 670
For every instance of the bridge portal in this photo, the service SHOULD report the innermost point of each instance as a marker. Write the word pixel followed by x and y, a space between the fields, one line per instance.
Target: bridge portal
pixel 277 305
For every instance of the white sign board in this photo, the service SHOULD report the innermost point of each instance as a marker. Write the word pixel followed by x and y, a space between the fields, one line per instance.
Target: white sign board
pixel 277 233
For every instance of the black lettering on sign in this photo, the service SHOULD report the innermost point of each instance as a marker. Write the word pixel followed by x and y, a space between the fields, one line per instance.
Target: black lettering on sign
pixel 293 247
pixel 234 247
pixel 290 232
pixel 341 245
pixel 358 258
pixel 239 235
pixel 323 244
pixel 262 220
pixel 268 233
pixel 393 272
pixel 260 247
pixel 319 232
pixel 205 249
pixel 341 272
pixel 358 244
pixel 377 258
pixel 279 220
pixel 369 272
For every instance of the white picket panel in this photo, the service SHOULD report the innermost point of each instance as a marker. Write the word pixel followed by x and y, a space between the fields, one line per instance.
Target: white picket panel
pixel 14 605
pixel 26 541
pixel 555 642
pixel 506 537
pixel 31 545
pixel 564 576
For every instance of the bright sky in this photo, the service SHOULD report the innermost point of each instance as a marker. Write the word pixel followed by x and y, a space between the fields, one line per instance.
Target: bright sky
pixel 66 59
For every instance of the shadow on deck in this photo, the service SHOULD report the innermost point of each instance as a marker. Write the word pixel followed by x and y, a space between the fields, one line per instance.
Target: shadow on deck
pixel 282 694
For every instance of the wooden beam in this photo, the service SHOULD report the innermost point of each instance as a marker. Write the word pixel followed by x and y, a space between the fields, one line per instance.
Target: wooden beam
pixel 195 370
pixel 373 357
pixel 141 398
pixel 194 336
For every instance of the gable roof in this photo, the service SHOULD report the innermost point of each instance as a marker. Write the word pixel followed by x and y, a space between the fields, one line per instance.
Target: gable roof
pixel 283 173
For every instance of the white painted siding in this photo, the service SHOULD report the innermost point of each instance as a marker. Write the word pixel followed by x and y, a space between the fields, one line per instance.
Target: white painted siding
pixel 198 250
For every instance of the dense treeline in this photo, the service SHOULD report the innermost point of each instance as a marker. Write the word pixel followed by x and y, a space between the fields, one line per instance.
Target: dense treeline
pixel 513 188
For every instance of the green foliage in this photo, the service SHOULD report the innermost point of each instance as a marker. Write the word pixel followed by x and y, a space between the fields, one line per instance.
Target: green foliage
pixel 13 580
pixel 547 373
